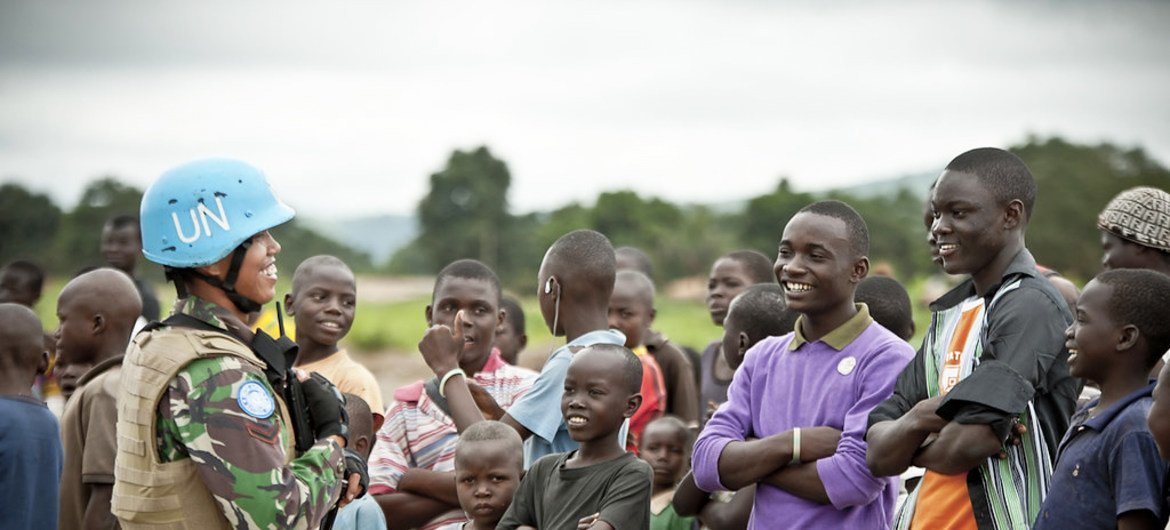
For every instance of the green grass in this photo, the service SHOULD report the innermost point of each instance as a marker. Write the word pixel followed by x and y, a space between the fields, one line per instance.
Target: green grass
pixel 398 326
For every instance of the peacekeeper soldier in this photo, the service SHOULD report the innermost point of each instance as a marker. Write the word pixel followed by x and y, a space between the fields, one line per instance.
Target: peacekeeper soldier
pixel 204 439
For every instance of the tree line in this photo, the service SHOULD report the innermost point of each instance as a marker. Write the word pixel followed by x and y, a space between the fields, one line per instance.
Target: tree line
pixel 466 214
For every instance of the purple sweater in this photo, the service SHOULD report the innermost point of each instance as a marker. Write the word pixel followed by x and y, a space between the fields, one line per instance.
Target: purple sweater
pixel 778 389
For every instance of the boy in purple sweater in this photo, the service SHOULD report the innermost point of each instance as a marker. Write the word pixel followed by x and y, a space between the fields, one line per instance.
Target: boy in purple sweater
pixel 805 396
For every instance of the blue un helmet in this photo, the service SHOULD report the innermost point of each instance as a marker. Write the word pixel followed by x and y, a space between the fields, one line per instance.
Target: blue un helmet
pixel 200 212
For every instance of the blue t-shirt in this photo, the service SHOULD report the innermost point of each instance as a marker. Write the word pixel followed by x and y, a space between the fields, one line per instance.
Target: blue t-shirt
pixel 539 410
pixel 30 463
pixel 361 514
pixel 1107 465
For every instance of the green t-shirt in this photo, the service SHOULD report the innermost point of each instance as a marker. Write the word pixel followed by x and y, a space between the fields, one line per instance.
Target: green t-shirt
pixel 552 496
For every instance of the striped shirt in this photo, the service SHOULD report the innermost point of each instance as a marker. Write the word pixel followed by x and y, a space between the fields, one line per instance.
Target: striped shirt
pixel 418 434
pixel 1022 327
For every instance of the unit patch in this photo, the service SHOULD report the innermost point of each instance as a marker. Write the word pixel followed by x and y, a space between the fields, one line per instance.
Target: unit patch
pixel 256 401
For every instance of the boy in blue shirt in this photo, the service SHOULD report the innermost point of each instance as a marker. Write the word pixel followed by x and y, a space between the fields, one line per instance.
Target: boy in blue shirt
pixel 1108 472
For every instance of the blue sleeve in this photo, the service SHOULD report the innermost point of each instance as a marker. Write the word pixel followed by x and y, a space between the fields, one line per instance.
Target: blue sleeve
pixel 539 410
pixel 1138 474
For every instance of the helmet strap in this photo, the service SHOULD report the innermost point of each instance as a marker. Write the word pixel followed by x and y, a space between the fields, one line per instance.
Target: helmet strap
pixel 228 284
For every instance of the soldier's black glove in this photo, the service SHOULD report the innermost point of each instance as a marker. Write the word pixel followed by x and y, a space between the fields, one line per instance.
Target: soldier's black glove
pixel 326 407
pixel 354 463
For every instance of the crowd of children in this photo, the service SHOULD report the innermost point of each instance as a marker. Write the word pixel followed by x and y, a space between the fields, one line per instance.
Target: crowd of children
pixel 812 410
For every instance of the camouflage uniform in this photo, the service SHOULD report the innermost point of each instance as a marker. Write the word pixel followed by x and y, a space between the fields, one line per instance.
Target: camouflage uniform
pixel 242 459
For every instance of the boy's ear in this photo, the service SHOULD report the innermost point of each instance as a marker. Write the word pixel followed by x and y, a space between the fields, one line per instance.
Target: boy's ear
pixel 1013 215
pixel 523 341
pixel 99 323
pixel 43 363
pixel 653 315
pixel 503 315
pixel 362 444
pixel 288 305
pixel 632 404
pixel 745 342
pixel 1128 337
pixel 429 312
pixel 860 270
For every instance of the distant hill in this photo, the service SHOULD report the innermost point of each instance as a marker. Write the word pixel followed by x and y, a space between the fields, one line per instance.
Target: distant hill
pixel 917 183
pixel 379 236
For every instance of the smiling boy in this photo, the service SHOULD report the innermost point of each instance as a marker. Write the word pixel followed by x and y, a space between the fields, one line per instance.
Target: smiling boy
pixel 1108 460
pixel 412 466
pixel 993 356
pixel 598 486
pixel 805 396
pixel 323 303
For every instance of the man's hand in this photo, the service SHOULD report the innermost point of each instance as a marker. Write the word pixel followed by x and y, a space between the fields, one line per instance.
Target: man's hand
pixel 818 442
pixel 925 416
pixel 440 346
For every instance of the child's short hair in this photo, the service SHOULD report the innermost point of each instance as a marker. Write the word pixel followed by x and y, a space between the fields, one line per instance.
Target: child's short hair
pixel 757 266
pixel 631 367
pixel 121 221
pixel 467 269
pixel 489 431
pixel 636 258
pixel 1141 297
pixel 323 260
pixel 854 224
pixel 587 260
pixel 361 418
pixel 762 312
pixel 889 304
pixel 21 338
pixel 674 422
pixel 642 281
pixel 1004 174
pixel 513 313
pixel 33 274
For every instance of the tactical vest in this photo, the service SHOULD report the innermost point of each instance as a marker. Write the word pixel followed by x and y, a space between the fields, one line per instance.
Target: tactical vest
pixel 149 493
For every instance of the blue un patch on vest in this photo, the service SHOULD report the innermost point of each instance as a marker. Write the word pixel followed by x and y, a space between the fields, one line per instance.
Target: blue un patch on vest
pixel 255 400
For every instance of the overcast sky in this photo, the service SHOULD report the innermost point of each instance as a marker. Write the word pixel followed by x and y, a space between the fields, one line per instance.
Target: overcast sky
pixel 349 107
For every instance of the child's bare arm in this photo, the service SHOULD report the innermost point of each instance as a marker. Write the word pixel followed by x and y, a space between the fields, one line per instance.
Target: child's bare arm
pixel 97 511
pixel 407 510
pixel 959 448
pixel 689 500
pixel 802 479
pixel 731 515
pixel 438 485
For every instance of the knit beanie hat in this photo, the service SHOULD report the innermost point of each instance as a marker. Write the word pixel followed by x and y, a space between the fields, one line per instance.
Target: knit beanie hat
pixel 1140 215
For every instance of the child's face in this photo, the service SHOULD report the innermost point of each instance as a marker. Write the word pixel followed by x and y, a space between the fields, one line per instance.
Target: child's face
pixel 596 399
pixel 728 278
pixel 968 223
pixel 508 341
pixel 323 303
pixel 664 448
pixel 734 346
pixel 487 480
pixel 17 288
pixel 816 265
pixel 75 338
pixel 1159 417
pixel 67 376
pixel 480 305
pixel 1093 335
pixel 629 312
pixel 120 246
